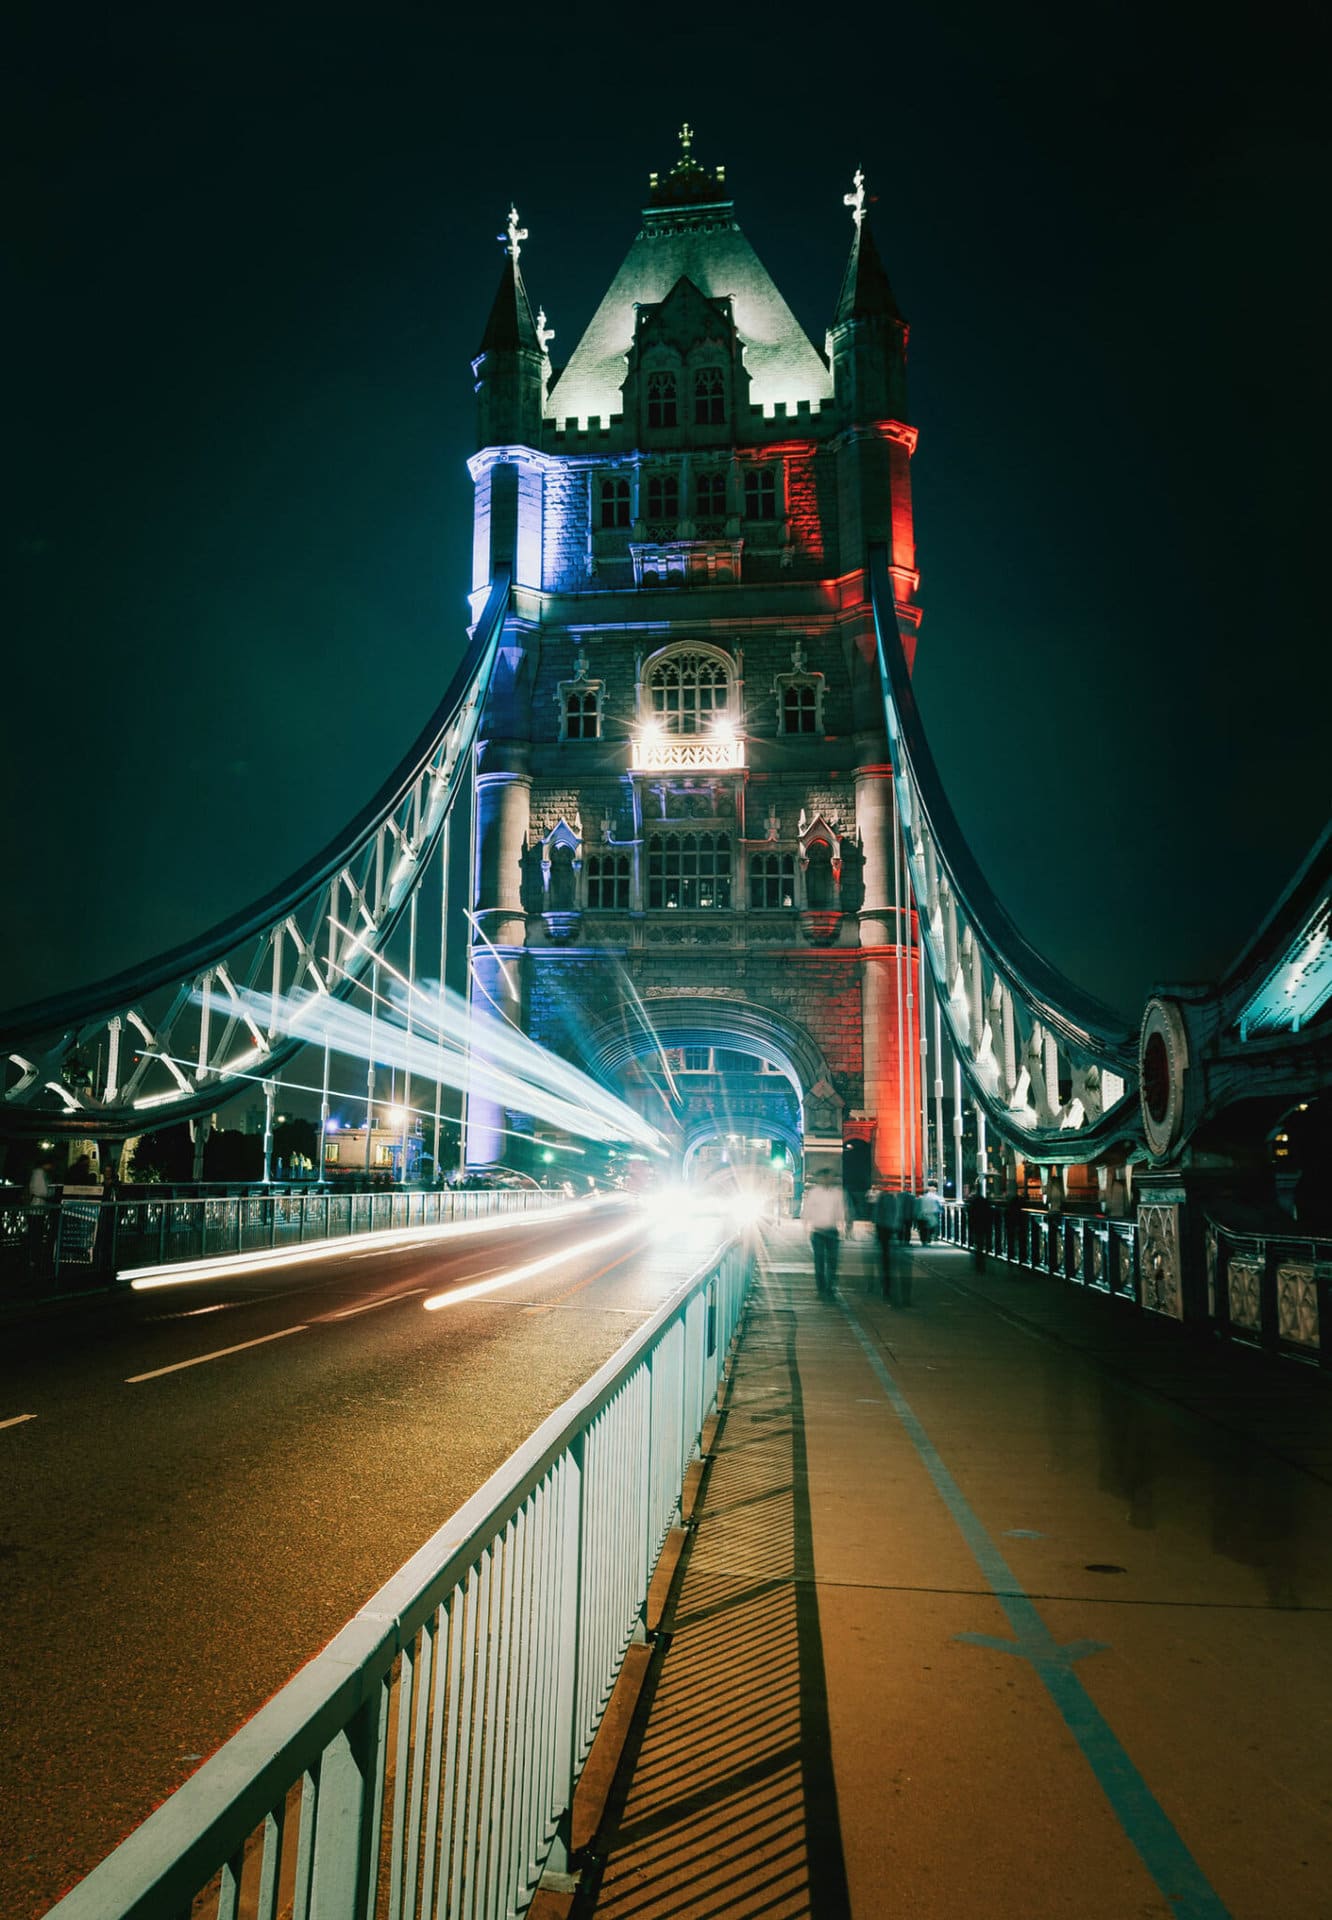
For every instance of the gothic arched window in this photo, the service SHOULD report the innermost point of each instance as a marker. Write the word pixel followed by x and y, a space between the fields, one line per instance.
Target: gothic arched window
pixel 710 496
pixel 582 715
pixel 686 690
pixel 661 404
pixel 607 881
pixel 663 496
pixel 615 503
pixel 709 397
pixel 689 870
pixel 800 706
pixel 772 880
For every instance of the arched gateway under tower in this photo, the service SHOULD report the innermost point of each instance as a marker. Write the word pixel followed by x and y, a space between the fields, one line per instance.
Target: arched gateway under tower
pixel 686 842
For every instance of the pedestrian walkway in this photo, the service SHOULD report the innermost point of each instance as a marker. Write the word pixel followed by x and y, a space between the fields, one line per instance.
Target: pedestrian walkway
pixel 1007 1603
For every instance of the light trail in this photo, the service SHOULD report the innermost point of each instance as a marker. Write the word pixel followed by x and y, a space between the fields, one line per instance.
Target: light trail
pixel 492 1059
pixel 475 1289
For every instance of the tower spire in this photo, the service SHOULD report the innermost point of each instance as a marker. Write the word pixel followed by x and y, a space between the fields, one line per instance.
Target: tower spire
pixel 688 183
pixel 511 323
pixel 510 368
pixel 866 289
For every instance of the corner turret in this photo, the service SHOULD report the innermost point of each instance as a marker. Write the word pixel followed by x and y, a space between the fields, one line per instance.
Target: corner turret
pixel 868 338
pixel 511 367
pixel 867 347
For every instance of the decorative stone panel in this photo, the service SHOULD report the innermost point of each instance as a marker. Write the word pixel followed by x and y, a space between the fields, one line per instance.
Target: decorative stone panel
pixel 1244 1280
pixel 1297 1303
pixel 1158 1234
pixel 1123 1257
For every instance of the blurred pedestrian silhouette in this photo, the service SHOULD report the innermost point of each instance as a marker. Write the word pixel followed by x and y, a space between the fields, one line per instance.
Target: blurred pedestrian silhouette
pixel 825 1216
pixel 980 1218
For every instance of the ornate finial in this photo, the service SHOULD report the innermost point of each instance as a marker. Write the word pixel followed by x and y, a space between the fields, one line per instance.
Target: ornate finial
pixel 856 200
pixel 513 236
pixel 580 664
pixel 686 142
pixel 545 334
pixel 797 658
pixel 773 823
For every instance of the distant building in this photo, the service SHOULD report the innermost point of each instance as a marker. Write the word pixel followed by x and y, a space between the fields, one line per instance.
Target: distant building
pixel 345 1155
pixel 685 818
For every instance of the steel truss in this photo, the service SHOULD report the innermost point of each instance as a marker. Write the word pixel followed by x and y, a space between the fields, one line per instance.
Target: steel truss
pixel 175 1038
pixel 1053 1070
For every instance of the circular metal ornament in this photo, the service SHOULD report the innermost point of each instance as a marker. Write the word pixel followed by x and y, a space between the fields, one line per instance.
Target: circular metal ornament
pixel 1163 1062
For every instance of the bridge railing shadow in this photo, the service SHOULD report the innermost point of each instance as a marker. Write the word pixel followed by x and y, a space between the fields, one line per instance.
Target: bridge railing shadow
pixel 725 1802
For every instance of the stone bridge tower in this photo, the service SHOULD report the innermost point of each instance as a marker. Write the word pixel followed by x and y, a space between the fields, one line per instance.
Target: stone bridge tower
pixel 685 823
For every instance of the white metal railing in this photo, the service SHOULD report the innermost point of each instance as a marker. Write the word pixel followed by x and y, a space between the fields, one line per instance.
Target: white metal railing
pixel 81 1243
pixel 422 1766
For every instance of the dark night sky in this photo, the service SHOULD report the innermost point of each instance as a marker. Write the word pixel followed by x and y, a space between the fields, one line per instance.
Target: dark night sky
pixel 250 260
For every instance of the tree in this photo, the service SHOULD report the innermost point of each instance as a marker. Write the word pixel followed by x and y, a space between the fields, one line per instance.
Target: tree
pixel 164 1156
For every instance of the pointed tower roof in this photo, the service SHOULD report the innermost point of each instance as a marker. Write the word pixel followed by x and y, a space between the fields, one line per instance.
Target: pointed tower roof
pixel 511 323
pixel 689 231
pixel 866 290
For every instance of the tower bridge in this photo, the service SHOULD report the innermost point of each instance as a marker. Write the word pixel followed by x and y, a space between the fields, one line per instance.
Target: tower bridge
pixel 696 806
pixel 713 887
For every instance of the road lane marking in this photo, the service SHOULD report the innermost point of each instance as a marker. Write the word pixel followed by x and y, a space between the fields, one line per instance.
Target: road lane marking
pixel 549 1306
pixel 133 1379
pixel 1141 1816
pixel 17 1419
pixel 345 1313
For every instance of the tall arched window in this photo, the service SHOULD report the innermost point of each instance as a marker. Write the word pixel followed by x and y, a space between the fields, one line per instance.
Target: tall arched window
pixel 800 706
pixel 689 870
pixel 709 397
pixel 582 715
pixel 710 496
pixel 663 496
pixel 661 404
pixel 686 690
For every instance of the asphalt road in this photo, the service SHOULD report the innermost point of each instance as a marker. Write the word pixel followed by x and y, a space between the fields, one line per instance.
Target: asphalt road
pixel 203 1482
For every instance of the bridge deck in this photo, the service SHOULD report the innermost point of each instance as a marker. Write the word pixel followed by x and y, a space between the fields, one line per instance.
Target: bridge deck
pixel 1008 1603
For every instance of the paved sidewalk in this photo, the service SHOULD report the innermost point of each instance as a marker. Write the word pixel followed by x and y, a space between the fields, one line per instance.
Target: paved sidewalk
pixel 1005 1603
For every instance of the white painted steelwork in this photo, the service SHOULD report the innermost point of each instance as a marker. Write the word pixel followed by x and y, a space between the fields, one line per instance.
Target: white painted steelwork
pixel 180 1035
pixel 422 1767
pixel 1053 1071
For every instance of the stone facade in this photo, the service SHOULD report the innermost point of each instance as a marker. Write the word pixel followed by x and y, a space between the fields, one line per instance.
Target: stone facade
pixel 683 782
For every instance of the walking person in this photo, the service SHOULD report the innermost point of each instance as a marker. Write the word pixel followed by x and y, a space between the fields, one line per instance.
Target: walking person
pixel 888 1227
pixel 43 1204
pixel 907 1216
pixel 1054 1202
pixel 929 1212
pixel 980 1217
pixel 824 1214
